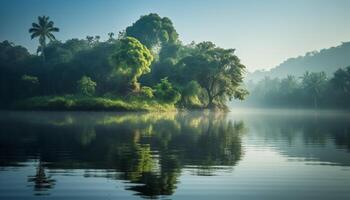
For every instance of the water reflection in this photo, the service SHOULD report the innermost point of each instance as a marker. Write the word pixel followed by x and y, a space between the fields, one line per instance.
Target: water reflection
pixel 42 183
pixel 176 155
pixel 147 150
pixel 322 136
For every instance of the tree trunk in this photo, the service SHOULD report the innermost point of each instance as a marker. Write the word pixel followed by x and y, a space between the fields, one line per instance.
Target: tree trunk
pixel 43 46
pixel 210 100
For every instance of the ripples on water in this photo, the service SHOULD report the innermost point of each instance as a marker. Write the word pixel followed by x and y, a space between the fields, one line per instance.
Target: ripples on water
pixel 246 154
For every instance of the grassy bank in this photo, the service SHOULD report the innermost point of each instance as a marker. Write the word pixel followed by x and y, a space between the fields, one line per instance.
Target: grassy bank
pixel 72 102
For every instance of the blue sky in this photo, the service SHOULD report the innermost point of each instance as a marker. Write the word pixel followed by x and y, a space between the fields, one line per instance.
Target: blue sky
pixel 264 32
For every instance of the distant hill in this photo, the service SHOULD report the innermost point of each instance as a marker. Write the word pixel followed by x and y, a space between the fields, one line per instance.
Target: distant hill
pixel 327 60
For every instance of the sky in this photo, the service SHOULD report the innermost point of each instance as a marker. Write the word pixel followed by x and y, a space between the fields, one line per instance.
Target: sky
pixel 264 33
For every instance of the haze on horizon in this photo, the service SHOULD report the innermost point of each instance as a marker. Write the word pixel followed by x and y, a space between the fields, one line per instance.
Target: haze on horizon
pixel 264 33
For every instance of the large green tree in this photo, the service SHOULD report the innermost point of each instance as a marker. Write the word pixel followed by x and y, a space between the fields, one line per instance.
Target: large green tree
pixel 218 71
pixel 152 30
pixel 43 30
pixel 133 59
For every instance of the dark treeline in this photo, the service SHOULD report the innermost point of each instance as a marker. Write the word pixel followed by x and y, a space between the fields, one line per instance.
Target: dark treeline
pixel 313 89
pixel 145 63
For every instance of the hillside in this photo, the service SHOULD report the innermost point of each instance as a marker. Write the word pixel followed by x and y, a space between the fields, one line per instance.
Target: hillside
pixel 327 60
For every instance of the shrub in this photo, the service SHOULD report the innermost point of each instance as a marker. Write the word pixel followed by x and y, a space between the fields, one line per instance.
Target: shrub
pixel 147 92
pixel 86 86
pixel 60 103
pixel 190 95
pixel 166 92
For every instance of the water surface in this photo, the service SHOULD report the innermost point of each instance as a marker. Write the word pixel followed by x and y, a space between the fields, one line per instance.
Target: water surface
pixel 246 154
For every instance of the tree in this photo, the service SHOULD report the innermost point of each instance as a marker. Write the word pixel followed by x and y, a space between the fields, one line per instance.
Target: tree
pixel 341 80
pixel 133 59
pixel 86 86
pixel 90 40
pixel 190 93
pixel 288 85
pixel 110 35
pixel 218 71
pixel 340 87
pixel 43 29
pixel 152 30
pixel 166 92
pixel 97 39
pixel 314 83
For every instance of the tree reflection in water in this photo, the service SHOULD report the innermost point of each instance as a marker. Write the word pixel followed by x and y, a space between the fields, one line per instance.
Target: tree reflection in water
pixel 148 150
pixel 42 182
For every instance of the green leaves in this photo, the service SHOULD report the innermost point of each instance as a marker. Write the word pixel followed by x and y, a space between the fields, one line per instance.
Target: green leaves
pixel 218 71
pixel 86 86
pixel 314 82
pixel 44 28
pixel 166 92
pixel 152 30
pixel 134 58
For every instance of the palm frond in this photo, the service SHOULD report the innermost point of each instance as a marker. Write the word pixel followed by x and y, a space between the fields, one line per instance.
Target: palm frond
pixel 54 29
pixel 35 25
pixel 51 36
pixel 43 29
pixel 49 24
pixel 42 21
pixel 34 35
pixel 33 30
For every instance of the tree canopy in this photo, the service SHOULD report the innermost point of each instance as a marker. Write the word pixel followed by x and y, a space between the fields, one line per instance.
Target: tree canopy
pixel 134 59
pixel 146 62
pixel 218 71
pixel 313 89
pixel 43 29
pixel 152 30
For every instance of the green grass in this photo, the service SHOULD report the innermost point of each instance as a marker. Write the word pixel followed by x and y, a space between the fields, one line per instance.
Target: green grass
pixel 72 102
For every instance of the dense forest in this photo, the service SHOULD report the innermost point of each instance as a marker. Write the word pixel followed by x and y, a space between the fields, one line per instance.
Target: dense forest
pixel 144 67
pixel 312 89
pixel 319 79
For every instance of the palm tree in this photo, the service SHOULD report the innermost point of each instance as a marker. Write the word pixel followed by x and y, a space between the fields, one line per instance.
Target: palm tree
pixel 314 83
pixel 43 29
pixel 110 34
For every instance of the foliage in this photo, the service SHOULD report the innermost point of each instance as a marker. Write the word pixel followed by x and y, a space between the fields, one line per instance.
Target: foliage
pixel 43 29
pixel 190 95
pixel 120 67
pixel 218 71
pixel 72 102
pixel 166 92
pixel 314 83
pixel 134 59
pixel 147 92
pixel 313 89
pixel 341 80
pixel 86 86
pixel 32 80
pixel 152 30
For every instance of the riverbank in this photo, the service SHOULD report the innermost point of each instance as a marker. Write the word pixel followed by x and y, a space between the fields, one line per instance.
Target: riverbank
pixel 83 103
